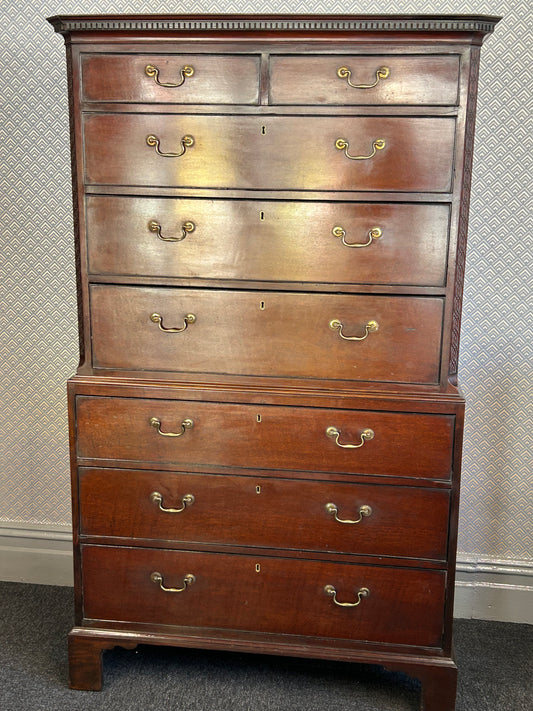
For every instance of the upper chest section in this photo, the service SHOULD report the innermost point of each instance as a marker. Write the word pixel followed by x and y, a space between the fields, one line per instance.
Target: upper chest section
pixel 261 114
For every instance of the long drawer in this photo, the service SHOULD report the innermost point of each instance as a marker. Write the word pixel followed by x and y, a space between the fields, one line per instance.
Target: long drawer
pixel 279 153
pixel 261 594
pixel 264 436
pixel 200 78
pixel 266 240
pixel 265 333
pixel 359 79
pixel 270 513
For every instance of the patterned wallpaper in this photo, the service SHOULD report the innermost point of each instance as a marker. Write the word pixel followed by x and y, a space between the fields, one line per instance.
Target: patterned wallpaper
pixel 38 348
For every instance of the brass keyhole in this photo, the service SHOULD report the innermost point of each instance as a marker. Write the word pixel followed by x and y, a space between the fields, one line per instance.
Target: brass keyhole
pixel 263 130
pixel 261 215
pixel 262 305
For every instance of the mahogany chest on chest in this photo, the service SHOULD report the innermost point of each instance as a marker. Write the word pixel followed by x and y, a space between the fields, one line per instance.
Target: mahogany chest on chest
pixel 271 218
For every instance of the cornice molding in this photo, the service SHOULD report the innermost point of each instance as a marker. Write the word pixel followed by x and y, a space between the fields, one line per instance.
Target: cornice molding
pixel 260 23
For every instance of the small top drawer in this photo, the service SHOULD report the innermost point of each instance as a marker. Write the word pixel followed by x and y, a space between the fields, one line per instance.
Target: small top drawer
pixel 358 80
pixel 171 79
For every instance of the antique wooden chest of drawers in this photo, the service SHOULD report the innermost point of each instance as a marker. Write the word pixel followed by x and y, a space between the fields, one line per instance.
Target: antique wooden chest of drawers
pixel 271 218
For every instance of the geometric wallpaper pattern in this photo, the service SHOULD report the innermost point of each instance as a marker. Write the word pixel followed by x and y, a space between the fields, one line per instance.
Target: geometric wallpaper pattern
pixel 38 330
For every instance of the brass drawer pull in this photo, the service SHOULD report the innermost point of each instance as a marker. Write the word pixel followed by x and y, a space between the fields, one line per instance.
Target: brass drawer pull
pixel 157 578
pixel 370 327
pixel 345 73
pixel 364 510
pixel 152 71
pixel 157 318
pixel 374 233
pixel 342 145
pixel 361 593
pixel 157 498
pixel 186 142
pixel 185 425
pixel 186 229
pixel 335 433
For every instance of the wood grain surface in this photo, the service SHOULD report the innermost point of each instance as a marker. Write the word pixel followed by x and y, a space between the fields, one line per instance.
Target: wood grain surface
pixel 286 596
pixel 263 333
pixel 270 152
pixel 267 240
pixel 217 79
pixel 414 79
pixel 286 438
pixel 270 513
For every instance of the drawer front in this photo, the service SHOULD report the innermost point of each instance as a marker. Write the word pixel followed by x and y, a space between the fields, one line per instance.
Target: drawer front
pixel 270 152
pixel 265 333
pixel 385 79
pixel 215 79
pixel 273 513
pixel 230 435
pixel 268 240
pixel 285 596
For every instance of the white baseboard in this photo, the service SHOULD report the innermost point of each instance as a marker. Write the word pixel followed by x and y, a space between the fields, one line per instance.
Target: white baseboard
pixel 36 554
pixel 493 589
pixel 486 589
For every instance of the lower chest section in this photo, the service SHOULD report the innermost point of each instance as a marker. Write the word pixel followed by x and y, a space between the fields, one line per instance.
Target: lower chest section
pixel 239 518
